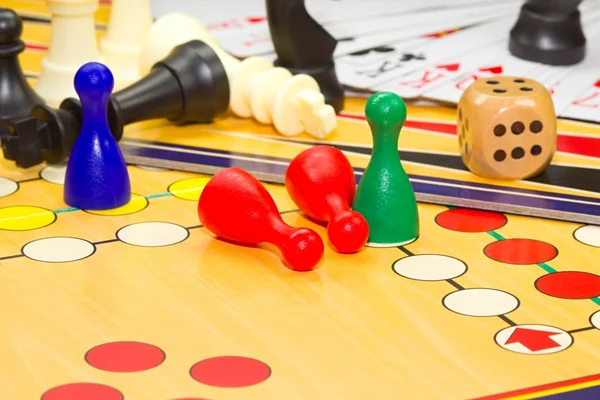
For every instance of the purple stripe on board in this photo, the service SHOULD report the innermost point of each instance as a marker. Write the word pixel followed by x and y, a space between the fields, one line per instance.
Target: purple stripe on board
pixel 591 393
pixel 431 186
pixel 144 152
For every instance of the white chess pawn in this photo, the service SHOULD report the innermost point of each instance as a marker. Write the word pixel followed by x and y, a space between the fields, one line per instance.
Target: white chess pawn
pixel 130 21
pixel 73 43
pixel 292 103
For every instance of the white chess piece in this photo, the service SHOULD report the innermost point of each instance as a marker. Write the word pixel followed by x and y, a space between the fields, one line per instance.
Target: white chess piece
pixel 73 43
pixel 130 21
pixel 171 30
pixel 272 95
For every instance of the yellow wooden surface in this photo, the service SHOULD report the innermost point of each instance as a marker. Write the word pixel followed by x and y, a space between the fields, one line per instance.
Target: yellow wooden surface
pixel 352 329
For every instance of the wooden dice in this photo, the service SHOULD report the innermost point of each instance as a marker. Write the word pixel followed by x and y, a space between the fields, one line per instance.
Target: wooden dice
pixel 506 128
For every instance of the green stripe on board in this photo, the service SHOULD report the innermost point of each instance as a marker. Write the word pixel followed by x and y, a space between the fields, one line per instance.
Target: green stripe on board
pixel 66 210
pixel 158 195
pixel 495 235
pixel 149 197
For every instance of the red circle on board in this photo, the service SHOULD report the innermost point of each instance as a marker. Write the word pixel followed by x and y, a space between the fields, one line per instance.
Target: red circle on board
pixel 125 356
pixel 569 285
pixel 87 391
pixel 230 371
pixel 520 251
pixel 468 220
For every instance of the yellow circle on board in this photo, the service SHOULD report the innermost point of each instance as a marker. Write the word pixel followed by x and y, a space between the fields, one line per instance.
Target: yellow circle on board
pixel 136 204
pixel 25 218
pixel 188 189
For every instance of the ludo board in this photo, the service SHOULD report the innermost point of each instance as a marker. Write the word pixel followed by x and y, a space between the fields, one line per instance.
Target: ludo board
pixel 568 190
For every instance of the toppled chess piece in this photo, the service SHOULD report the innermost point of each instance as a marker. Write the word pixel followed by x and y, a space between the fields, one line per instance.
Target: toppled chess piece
pixel 304 47
pixel 272 95
pixel 549 32
pixel 17 98
pixel 189 86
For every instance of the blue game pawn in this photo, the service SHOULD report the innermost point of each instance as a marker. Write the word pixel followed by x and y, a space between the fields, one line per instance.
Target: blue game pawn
pixel 96 177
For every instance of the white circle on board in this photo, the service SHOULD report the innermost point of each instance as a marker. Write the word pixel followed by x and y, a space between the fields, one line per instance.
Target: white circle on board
pixel 481 302
pixel 7 186
pixel 588 234
pixel 58 249
pixel 54 174
pixel 595 320
pixel 429 267
pixel 152 234
pixel 533 339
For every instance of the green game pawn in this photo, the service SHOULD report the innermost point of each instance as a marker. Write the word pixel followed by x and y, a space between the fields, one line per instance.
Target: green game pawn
pixel 385 196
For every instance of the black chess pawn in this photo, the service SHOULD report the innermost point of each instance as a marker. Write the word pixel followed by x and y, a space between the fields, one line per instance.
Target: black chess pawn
pixel 549 32
pixel 304 47
pixel 17 98
pixel 189 86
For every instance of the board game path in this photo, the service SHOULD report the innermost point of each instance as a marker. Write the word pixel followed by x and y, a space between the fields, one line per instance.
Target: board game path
pixel 135 357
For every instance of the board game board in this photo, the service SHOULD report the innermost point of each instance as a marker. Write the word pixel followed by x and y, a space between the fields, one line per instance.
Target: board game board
pixel 428 148
pixel 141 302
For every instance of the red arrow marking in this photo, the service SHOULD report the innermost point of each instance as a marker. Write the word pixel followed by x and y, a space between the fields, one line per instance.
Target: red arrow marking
pixel 494 70
pixel 534 340
pixel 449 67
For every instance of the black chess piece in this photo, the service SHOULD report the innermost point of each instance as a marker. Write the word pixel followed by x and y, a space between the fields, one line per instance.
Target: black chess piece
pixel 189 86
pixel 304 47
pixel 549 32
pixel 17 98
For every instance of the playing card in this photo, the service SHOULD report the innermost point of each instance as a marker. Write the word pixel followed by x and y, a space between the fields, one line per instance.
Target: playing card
pixel 363 66
pixel 586 106
pixel 377 70
pixel 506 65
pixel 363 34
pixel 576 90
pixel 328 11
pixel 415 83
pixel 222 18
pixel 448 20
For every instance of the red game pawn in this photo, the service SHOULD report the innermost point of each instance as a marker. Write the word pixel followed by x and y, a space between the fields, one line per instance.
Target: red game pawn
pixel 235 206
pixel 321 182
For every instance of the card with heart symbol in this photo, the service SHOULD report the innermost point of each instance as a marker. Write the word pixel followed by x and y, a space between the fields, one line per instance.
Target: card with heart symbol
pixel 420 56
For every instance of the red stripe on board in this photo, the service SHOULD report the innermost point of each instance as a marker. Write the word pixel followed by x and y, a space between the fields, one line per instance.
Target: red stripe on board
pixel 580 145
pixel 36 46
pixel 538 389
pixel 438 127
